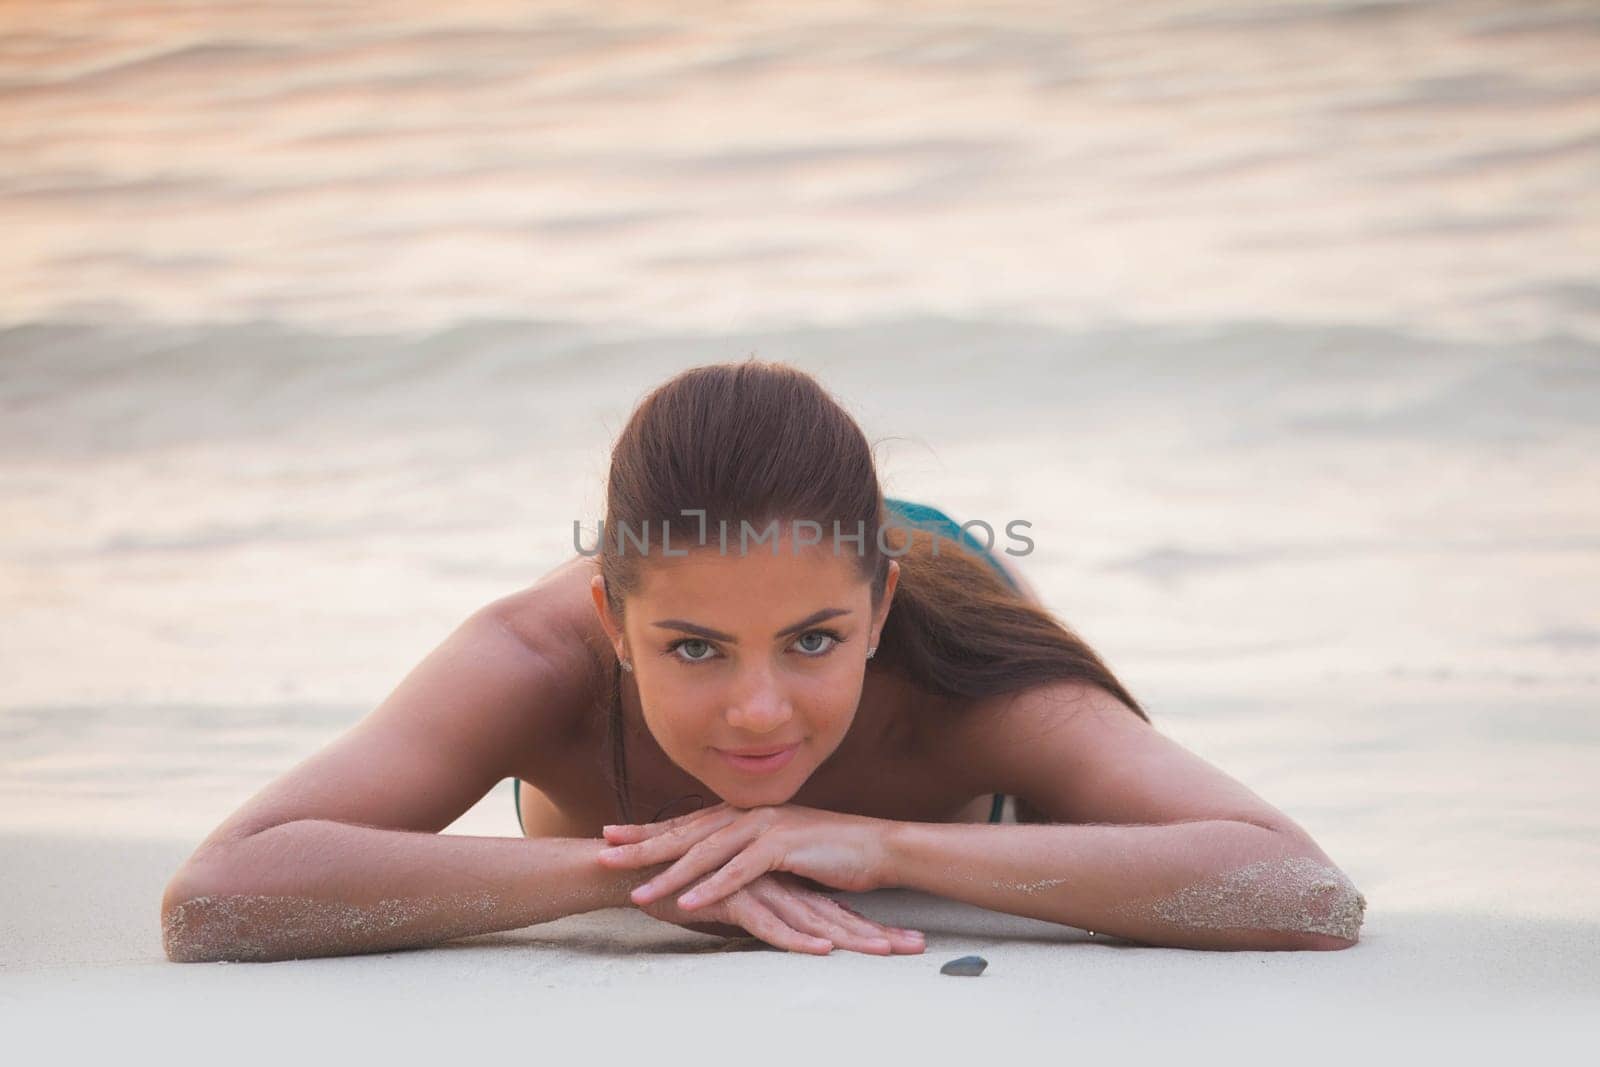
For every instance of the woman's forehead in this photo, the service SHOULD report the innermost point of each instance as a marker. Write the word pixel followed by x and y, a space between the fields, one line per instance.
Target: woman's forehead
pixel 777 575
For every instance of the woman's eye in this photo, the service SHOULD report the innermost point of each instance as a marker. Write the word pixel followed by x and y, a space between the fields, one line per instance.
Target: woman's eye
pixel 812 644
pixel 695 643
pixel 822 635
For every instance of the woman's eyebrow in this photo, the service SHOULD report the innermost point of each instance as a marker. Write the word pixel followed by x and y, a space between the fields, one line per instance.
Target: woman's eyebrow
pixel 717 635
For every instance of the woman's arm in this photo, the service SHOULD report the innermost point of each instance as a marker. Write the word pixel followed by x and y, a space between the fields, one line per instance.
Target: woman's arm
pixel 1213 884
pixel 1148 841
pixel 1210 883
pixel 342 854
pixel 315 887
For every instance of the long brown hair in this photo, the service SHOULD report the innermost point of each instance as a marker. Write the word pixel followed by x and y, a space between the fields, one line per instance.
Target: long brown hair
pixel 755 442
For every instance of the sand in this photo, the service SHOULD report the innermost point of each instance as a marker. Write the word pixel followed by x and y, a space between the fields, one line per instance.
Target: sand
pixel 1291 894
pixel 84 975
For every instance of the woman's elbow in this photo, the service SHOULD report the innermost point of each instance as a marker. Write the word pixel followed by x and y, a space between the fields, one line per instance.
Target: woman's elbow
pixel 1327 912
pixel 198 925
pixel 183 922
pixel 182 939
pixel 1300 941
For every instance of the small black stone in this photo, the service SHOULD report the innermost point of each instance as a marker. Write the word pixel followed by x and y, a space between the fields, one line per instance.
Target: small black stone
pixel 966 966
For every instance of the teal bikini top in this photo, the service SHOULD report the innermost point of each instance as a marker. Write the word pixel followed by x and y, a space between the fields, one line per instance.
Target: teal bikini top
pixel 928 517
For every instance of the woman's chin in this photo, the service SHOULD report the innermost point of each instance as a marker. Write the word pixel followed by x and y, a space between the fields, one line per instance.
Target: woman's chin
pixel 755 787
pixel 749 795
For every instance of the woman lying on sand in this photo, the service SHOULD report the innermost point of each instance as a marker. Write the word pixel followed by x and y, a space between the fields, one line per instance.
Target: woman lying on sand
pixel 783 712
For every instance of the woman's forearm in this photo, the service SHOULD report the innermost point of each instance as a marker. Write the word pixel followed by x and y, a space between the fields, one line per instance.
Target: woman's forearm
pixel 1214 884
pixel 321 888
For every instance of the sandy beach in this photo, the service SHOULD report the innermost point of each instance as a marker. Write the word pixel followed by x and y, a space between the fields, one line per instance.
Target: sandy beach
pixel 84 976
pixel 314 334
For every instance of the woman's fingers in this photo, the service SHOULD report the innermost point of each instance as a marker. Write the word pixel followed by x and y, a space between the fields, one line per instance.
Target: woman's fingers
pixel 750 863
pixel 627 833
pixel 623 833
pixel 715 851
pixel 805 916
pixel 668 845
pixel 901 941
pixel 756 917
pixel 830 918
pixel 792 918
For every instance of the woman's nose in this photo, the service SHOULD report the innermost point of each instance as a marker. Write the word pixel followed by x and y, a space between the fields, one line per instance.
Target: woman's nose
pixel 761 709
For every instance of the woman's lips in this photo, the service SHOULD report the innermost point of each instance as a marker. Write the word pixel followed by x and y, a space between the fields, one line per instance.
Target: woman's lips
pixel 761 764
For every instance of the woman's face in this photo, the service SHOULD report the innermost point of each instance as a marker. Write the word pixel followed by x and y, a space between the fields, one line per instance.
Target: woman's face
pixel 754 653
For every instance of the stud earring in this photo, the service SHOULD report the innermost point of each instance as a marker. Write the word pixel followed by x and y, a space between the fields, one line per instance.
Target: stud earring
pixel 623 663
pixel 871 650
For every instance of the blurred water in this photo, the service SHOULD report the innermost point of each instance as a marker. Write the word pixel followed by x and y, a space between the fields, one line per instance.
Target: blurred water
pixel 1280 323
pixel 1419 165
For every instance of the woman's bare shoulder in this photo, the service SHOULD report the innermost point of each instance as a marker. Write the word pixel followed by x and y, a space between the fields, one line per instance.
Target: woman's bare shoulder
pixel 554 618
pixel 555 608
pixel 507 692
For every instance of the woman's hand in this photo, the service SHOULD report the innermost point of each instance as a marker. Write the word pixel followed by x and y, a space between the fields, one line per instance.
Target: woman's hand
pixel 843 851
pixel 785 914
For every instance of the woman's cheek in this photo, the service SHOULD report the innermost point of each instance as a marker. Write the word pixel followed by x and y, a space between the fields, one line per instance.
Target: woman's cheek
pixel 674 722
pixel 837 699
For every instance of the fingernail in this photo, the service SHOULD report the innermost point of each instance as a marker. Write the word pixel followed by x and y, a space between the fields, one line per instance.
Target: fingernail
pixel 689 900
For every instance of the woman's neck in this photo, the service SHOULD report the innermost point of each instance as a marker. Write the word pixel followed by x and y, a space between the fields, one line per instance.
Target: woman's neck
pixel 657 787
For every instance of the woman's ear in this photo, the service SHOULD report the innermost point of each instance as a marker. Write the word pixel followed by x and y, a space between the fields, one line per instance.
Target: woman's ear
pixel 597 590
pixel 890 581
